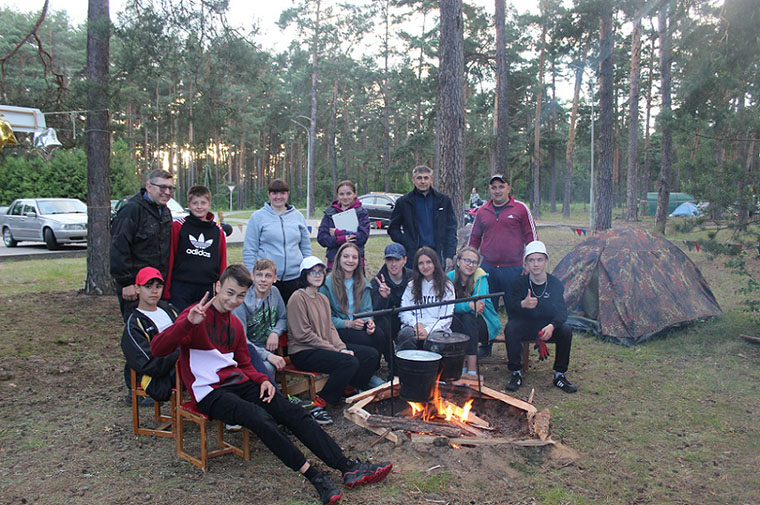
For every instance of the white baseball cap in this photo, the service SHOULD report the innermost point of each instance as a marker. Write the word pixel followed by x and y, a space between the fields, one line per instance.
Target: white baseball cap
pixel 535 247
pixel 310 262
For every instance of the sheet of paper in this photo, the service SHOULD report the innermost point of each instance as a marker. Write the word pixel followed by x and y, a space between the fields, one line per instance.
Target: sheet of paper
pixel 346 221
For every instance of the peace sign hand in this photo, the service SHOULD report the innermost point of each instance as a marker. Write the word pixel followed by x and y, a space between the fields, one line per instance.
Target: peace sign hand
pixel 383 288
pixel 198 313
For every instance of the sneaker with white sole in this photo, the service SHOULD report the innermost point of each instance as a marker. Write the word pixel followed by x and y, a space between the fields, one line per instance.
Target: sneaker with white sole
pixel 320 415
pixel 306 404
pixel 565 385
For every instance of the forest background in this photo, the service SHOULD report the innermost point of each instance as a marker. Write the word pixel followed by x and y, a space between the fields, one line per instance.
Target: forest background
pixel 191 94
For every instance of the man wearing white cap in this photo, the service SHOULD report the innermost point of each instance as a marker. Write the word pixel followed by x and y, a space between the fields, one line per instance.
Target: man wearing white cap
pixel 537 311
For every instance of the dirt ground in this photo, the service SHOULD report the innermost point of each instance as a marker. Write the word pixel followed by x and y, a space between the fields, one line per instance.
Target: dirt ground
pixel 67 435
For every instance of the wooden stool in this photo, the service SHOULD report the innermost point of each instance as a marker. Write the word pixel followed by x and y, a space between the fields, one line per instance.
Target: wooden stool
pixel 165 423
pixel 525 353
pixel 188 411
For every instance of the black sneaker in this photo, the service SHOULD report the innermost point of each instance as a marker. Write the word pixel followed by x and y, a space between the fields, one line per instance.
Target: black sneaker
pixel 328 492
pixel 321 416
pixel 561 382
pixel 515 382
pixel 364 472
pixel 484 351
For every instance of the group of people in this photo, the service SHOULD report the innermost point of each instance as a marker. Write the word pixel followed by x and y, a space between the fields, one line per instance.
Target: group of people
pixel 285 296
pixel 224 337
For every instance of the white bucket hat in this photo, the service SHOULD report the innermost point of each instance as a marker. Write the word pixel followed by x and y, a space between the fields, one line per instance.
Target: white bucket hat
pixel 310 262
pixel 535 247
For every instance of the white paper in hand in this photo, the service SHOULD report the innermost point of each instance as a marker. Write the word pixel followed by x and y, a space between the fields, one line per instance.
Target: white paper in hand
pixel 346 221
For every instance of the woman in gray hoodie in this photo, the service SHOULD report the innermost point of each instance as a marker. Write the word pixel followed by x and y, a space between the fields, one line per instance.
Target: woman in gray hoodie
pixel 278 231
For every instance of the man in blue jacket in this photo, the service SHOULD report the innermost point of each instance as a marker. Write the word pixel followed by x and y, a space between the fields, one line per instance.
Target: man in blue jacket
pixel 424 217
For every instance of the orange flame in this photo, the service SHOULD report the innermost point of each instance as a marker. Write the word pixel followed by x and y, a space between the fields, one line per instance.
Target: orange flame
pixel 443 408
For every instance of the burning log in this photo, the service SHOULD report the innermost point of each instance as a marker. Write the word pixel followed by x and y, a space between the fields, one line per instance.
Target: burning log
pixel 414 425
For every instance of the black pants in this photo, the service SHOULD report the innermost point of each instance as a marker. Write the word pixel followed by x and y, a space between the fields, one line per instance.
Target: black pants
pixel 378 340
pixel 185 294
pixel 343 368
pixel 518 330
pixel 240 404
pixel 474 327
pixel 287 288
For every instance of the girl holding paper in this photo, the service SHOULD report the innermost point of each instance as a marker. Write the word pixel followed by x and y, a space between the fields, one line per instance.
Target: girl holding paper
pixel 345 220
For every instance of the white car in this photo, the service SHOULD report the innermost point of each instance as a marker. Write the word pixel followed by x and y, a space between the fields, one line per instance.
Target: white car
pixel 52 220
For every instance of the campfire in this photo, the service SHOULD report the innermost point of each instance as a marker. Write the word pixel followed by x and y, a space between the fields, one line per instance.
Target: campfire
pixel 459 414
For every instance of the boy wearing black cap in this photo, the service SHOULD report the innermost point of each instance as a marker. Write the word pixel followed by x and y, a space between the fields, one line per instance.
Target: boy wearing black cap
pixel 151 316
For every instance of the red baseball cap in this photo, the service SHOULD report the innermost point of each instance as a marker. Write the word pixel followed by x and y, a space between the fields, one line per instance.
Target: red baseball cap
pixel 147 274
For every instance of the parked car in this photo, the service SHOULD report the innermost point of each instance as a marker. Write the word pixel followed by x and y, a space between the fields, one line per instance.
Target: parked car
pixel 52 220
pixel 177 210
pixel 379 206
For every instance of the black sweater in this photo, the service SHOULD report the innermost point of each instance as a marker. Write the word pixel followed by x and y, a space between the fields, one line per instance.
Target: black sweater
pixel 551 306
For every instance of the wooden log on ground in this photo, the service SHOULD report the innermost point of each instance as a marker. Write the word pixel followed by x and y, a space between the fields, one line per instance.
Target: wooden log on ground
pixel 413 425
pixel 358 418
pixel 498 395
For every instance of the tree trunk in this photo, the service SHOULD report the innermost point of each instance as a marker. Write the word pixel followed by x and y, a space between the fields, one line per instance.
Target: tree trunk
pixel 603 183
pixel 333 135
pixel 567 197
pixel 552 157
pixel 313 119
pixel 632 195
pixel 645 181
pixel 451 83
pixel 501 126
pixel 663 190
pixel 535 200
pixel 99 280
pixel 386 100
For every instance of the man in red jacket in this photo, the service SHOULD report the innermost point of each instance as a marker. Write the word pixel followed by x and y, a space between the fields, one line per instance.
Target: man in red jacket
pixel 502 228
pixel 216 369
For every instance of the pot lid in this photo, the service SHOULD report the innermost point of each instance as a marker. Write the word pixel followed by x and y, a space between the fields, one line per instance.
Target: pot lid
pixel 416 355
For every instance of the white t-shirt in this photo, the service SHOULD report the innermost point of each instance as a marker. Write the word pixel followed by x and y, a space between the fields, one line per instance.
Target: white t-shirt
pixel 159 317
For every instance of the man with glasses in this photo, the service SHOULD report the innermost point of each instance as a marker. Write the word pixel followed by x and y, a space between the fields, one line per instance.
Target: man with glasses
pixel 141 236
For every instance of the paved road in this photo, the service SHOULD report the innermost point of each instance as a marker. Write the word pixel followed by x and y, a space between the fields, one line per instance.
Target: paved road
pixel 37 250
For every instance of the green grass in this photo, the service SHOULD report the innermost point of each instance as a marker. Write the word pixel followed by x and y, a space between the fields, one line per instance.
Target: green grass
pixel 49 274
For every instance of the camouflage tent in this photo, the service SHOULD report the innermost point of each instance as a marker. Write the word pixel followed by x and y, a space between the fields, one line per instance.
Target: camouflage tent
pixel 628 285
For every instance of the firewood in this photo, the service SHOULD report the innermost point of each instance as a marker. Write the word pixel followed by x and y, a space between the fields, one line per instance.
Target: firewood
pixel 413 425
pixel 539 425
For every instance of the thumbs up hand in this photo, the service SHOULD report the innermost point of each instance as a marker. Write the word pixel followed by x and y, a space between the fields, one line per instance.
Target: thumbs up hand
pixel 529 302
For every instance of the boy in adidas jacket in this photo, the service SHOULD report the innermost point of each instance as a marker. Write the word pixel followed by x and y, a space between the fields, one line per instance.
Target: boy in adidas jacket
pixel 216 370
pixel 198 253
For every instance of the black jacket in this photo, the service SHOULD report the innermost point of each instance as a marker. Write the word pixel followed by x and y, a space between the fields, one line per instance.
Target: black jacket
pixel 140 237
pixel 397 290
pixel 551 306
pixel 135 343
pixel 404 230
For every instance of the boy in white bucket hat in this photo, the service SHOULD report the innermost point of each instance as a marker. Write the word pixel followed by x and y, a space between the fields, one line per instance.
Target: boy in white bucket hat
pixel 537 311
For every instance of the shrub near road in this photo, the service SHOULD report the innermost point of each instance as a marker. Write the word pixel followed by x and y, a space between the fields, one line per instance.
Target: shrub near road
pixel 671 421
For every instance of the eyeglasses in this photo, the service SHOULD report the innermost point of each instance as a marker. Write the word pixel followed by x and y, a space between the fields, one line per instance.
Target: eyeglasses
pixel 316 273
pixel 469 262
pixel 164 187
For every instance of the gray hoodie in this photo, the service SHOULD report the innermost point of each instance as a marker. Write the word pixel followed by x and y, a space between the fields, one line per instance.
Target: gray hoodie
pixel 260 317
pixel 282 238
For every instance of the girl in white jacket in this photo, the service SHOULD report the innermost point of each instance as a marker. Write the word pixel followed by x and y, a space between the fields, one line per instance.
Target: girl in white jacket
pixel 429 284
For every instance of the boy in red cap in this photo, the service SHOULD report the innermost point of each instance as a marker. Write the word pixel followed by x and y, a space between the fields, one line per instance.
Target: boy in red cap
pixel 151 316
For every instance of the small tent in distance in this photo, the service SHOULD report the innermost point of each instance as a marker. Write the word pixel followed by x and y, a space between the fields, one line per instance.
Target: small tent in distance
pixel 628 285
pixel 686 209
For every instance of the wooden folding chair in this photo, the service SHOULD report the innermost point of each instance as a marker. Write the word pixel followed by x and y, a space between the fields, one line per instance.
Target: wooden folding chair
pixel 164 423
pixel 313 382
pixel 188 412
